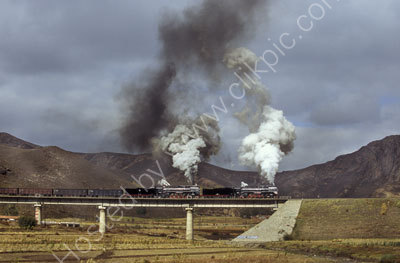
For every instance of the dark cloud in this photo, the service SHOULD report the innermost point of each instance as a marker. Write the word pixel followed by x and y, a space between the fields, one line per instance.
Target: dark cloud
pixel 63 62
pixel 49 36
pixel 348 109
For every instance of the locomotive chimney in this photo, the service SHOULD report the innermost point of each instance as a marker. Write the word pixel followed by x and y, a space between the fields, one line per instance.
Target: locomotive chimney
pixel 192 177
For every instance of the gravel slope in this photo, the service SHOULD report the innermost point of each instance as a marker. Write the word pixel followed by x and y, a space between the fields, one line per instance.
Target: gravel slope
pixel 281 223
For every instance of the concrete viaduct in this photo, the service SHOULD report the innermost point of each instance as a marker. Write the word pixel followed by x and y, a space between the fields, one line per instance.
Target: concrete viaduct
pixel 105 202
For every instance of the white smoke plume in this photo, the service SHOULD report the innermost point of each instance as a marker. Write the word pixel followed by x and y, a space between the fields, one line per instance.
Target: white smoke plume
pixel 266 147
pixel 272 135
pixel 189 146
pixel 184 149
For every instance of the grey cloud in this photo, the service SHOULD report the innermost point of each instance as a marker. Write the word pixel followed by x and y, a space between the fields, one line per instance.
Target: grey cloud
pixel 347 109
pixel 72 57
pixel 347 53
pixel 63 36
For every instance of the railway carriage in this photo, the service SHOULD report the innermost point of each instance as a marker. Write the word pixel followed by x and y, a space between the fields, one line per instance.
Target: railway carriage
pixel 35 191
pixel 104 192
pixel 70 192
pixel 8 191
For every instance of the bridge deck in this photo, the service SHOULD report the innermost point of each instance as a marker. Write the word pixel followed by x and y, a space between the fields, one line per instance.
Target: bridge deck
pixel 145 202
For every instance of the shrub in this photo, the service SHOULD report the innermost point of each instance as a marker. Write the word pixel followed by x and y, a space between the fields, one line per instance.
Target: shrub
pixel 248 212
pixel 287 237
pixel 141 211
pixel 388 258
pixel 10 210
pixel 27 222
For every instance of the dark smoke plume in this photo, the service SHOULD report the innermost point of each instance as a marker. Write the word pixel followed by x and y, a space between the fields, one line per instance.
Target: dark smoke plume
pixel 148 108
pixel 194 41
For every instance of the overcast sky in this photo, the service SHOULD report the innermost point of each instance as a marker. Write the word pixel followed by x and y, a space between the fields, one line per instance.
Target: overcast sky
pixel 63 63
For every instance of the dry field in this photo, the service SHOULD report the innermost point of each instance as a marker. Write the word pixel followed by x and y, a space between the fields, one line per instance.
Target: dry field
pixel 330 230
pixel 143 240
pixel 361 250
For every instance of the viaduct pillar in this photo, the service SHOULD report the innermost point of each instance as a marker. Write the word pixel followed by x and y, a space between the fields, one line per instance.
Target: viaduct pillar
pixel 38 214
pixel 189 223
pixel 102 219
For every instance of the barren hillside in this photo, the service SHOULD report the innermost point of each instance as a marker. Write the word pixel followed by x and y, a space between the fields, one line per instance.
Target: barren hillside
pixel 372 171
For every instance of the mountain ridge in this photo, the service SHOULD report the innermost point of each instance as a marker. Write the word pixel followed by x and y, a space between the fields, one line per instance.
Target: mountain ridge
pixel 371 171
pixel 10 140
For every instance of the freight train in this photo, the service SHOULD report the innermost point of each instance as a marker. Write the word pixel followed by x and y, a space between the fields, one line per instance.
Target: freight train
pixel 184 191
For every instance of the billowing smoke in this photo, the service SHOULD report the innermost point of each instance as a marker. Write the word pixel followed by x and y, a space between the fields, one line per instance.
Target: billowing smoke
pixel 147 102
pixel 192 42
pixel 189 145
pixel 272 136
pixel 242 61
pixel 266 147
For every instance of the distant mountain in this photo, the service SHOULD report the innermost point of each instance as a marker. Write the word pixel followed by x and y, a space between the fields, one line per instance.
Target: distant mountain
pixel 135 165
pixel 48 167
pixel 9 140
pixel 372 171
pixel 145 164
pixel 23 164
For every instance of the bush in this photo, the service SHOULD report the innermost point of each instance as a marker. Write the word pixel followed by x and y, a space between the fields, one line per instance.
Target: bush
pixel 388 258
pixel 287 237
pixel 10 210
pixel 27 222
pixel 248 212
pixel 141 211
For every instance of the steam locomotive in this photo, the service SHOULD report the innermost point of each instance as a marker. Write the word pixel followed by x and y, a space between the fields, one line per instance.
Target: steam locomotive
pixel 183 191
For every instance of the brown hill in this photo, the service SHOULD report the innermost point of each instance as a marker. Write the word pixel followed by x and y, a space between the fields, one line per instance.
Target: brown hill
pixel 23 164
pixel 372 171
pixel 50 167
pixel 136 165
pixel 9 140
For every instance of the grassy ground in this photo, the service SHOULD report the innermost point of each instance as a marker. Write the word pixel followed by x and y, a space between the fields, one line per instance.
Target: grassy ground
pixel 362 229
pixel 348 218
pixel 365 250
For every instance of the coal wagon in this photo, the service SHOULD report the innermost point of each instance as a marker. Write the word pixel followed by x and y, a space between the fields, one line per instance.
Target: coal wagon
pixel 70 192
pixel 8 191
pixel 105 192
pixel 35 191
